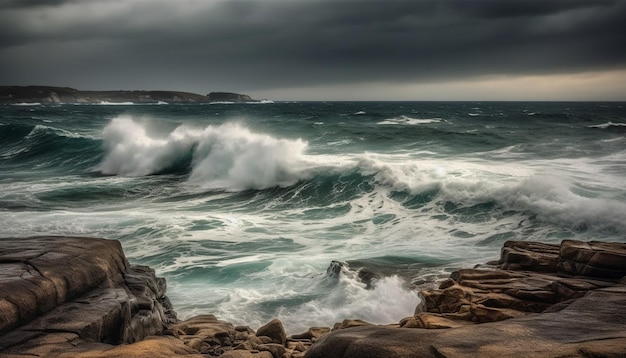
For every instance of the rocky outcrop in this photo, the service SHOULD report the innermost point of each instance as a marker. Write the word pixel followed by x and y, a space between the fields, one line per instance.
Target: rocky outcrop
pixel 538 300
pixel 79 297
pixel 60 294
pixel 592 326
pixel 47 94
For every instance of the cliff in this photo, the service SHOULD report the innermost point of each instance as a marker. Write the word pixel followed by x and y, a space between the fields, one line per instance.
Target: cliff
pixel 79 297
pixel 47 94
pixel 229 97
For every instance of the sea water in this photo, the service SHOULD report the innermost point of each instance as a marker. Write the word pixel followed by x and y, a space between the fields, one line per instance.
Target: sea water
pixel 313 212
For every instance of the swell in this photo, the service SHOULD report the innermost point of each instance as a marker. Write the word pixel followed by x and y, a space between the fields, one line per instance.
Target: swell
pixel 47 147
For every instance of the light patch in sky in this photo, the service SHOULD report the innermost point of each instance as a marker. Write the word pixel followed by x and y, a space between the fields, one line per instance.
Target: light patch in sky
pixel 588 86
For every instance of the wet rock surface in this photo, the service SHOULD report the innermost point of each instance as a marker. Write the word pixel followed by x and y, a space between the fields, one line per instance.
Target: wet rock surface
pixel 538 300
pixel 79 297
pixel 60 293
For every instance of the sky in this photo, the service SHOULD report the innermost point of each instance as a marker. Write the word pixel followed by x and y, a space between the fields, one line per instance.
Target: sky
pixel 322 49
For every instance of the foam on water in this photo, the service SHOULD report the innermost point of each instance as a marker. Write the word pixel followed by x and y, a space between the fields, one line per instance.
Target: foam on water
pixel 608 125
pixel 227 156
pixel 404 120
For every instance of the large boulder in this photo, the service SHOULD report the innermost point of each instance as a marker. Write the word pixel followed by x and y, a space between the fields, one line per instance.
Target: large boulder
pixel 71 290
pixel 274 330
pixel 37 274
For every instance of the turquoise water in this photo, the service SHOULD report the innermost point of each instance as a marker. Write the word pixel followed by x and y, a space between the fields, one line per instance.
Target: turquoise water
pixel 243 207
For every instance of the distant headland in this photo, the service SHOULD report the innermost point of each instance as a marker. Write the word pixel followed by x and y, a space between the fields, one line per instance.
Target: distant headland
pixel 48 94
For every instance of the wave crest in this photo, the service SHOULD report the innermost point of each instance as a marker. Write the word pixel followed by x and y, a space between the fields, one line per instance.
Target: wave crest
pixel 228 156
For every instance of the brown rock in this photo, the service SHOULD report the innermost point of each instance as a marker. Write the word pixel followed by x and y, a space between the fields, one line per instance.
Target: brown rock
pixel 296 346
pixel 431 321
pixel 529 255
pixel 68 346
pixel 277 350
pixel 246 354
pixel 565 333
pixel 34 281
pixel 312 332
pixel 348 323
pixel 274 330
pixel 596 259
pixel 75 287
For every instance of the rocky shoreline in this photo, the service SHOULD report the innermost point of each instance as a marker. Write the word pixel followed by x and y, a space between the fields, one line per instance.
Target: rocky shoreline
pixel 50 95
pixel 79 297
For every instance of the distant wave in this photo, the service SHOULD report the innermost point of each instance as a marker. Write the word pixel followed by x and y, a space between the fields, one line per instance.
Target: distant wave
pixel 404 120
pixel 107 103
pixel 26 104
pixel 609 125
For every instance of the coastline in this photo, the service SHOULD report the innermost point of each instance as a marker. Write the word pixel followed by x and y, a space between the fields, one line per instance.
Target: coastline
pixel 50 94
pixel 79 297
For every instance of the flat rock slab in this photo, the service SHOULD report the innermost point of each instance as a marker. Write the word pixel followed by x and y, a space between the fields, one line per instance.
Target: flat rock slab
pixel 594 325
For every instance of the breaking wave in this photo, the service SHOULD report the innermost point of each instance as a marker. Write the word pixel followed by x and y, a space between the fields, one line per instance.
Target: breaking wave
pixel 227 156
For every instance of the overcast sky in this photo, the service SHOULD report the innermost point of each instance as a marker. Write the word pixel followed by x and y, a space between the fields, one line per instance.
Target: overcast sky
pixel 322 49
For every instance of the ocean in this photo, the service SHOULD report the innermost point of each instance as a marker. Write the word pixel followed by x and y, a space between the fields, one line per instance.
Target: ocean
pixel 313 212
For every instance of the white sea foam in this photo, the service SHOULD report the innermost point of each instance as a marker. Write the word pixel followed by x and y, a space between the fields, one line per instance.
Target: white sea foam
pixel 404 120
pixel 26 104
pixel 107 103
pixel 228 156
pixel 41 129
pixel 608 125
pixel 335 299
pixel 523 186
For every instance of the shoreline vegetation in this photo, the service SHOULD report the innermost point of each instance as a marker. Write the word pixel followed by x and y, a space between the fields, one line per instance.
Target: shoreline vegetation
pixel 49 94
pixel 80 297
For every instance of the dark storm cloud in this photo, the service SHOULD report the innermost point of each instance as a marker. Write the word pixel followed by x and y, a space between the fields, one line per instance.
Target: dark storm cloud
pixel 8 4
pixel 264 44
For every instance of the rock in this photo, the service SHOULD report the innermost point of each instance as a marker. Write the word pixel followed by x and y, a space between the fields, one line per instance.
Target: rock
pixel 274 330
pixel 506 301
pixel 82 289
pixel 348 323
pixel 529 255
pixel 277 350
pixel 595 259
pixel 79 297
pixel 67 345
pixel 53 270
pixel 431 321
pixel 593 324
pixel 246 354
pixel 312 333
pixel 487 294
pixel 296 346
